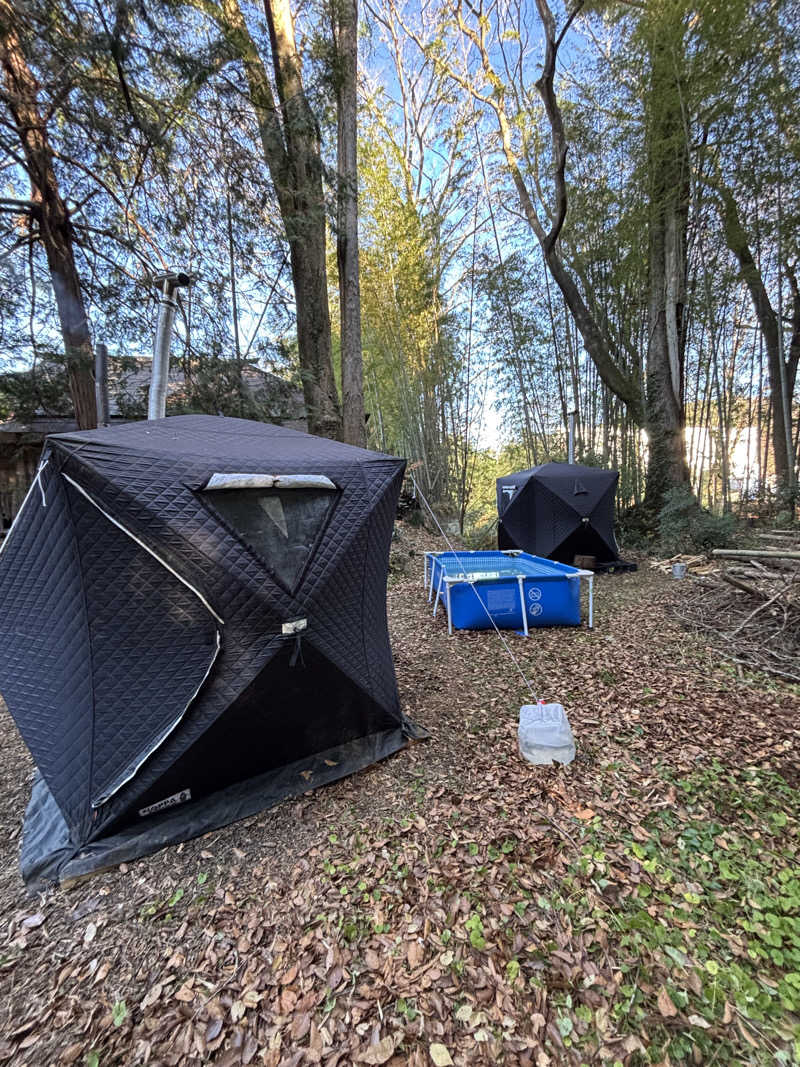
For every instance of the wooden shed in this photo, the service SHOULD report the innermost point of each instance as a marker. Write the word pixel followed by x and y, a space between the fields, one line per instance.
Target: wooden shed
pixel 20 449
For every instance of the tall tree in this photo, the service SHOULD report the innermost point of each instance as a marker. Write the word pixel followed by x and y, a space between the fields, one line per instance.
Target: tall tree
pixel 345 36
pixel 291 146
pixel 496 75
pixel 417 214
pixel 782 379
pixel 751 166
pixel 48 210
pixel 668 206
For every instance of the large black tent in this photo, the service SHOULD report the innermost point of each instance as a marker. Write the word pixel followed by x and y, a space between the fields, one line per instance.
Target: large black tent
pixel 193 626
pixel 559 511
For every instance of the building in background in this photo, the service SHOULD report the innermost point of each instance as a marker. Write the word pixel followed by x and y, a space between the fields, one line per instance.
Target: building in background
pixel 264 396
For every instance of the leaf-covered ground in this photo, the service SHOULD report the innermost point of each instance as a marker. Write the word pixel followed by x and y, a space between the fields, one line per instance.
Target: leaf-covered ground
pixel 454 904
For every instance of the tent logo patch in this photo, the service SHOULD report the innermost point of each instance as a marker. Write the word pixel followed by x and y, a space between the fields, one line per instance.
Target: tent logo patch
pixel 167 802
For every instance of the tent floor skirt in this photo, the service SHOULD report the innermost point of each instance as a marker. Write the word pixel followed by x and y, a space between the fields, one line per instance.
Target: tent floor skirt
pixel 48 856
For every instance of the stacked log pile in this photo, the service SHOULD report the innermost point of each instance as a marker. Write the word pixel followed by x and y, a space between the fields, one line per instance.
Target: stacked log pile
pixel 747 603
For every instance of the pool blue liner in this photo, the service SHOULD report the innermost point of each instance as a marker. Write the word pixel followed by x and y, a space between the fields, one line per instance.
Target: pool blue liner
pixel 510 590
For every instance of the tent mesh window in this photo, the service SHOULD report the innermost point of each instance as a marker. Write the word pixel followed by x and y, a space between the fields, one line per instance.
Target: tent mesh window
pixel 281 526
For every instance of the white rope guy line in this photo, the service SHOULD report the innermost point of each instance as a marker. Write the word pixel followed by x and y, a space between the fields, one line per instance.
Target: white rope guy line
pixel 471 583
pixel 36 481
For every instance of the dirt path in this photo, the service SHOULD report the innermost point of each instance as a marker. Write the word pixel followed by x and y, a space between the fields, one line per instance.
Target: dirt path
pixel 453 903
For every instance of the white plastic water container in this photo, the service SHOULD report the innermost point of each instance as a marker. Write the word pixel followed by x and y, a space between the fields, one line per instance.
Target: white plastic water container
pixel 545 735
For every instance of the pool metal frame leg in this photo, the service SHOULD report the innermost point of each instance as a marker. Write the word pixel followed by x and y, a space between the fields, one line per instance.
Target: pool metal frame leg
pixel 590 576
pixel 521 582
pixel 449 612
pixel 438 593
pixel 430 589
pixel 429 557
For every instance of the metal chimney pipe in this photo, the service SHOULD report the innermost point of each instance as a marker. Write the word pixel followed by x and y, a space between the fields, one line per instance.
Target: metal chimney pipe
pixel 571 438
pixel 167 306
pixel 101 382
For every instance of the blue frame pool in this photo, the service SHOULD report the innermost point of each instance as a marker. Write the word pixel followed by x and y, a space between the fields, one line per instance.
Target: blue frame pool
pixel 510 590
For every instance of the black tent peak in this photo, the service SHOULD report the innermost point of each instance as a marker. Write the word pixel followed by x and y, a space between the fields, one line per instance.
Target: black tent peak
pixel 192 627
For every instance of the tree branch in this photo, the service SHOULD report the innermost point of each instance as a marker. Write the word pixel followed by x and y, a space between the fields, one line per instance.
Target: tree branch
pixel 545 87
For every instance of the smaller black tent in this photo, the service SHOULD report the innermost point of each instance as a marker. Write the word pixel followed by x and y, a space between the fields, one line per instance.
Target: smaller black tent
pixel 558 511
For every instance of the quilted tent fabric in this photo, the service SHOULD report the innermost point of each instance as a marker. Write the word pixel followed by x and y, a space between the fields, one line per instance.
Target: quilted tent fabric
pixel 559 510
pixel 44 644
pixel 154 621
pixel 136 649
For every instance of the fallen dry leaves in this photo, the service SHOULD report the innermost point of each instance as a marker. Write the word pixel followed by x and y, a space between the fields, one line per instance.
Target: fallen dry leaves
pixel 665 1005
pixel 425 910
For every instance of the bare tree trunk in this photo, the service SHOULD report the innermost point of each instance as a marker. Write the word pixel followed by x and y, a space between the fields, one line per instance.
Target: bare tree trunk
pixel 237 345
pixel 303 210
pixel 738 243
pixel 345 30
pixel 792 363
pixel 52 215
pixel 346 36
pixel 669 193
pixel 290 142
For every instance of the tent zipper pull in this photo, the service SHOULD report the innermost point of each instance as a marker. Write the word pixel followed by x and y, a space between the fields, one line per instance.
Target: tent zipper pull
pixel 297 652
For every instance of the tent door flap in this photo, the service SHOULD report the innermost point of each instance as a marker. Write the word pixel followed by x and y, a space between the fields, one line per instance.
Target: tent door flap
pixel 133 768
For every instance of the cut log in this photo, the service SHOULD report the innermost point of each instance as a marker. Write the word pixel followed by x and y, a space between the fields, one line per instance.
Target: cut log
pixel 737 583
pixel 666 564
pixel 586 563
pixel 765 572
pixel 755 553
pixel 762 575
